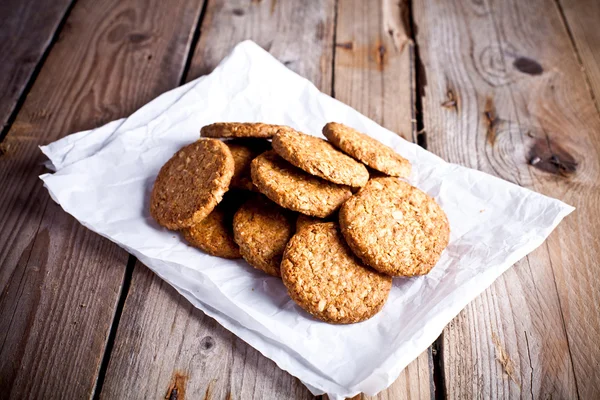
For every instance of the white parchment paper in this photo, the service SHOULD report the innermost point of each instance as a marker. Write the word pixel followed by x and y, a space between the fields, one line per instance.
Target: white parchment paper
pixel 104 176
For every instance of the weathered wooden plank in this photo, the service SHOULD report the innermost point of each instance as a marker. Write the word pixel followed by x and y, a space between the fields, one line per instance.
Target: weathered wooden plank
pixel 299 35
pixel 161 338
pixel 28 27
pixel 166 346
pixel 373 63
pixel 415 382
pixel 59 282
pixel 582 20
pixel 374 73
pixel 520 110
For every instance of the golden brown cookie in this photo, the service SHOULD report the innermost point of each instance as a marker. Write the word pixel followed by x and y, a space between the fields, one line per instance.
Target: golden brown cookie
pixel 366 149
pixel 394 227
pixel 191 184
pixel 243 152
pixel 262 229
pixel 292 188
pixel 318 157
pixel 241 130
pixel 327 280
pixel 214 234
pixel 304 220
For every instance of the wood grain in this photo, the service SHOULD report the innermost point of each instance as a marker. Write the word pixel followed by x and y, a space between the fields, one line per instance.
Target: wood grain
pixel 582 18
pixel 374 73
pixel 165 345
pixel 28 27
pixel 161 338
pixel 373 63
pixel 59 282
pixel 299 35
pixel 522 112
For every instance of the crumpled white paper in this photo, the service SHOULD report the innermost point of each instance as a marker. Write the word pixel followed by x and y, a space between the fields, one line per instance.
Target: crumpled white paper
pixel 104 176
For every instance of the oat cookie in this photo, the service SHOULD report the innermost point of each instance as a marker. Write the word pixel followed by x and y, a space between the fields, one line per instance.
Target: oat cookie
pixel 241 130
pixel 304 220
pixel 292 188
pixel 327 280
pixel 394 227
pixel 262 229
pixel 318 157
pixel 214 234
pixel 191 184
pixel 366 149
pixel 243 152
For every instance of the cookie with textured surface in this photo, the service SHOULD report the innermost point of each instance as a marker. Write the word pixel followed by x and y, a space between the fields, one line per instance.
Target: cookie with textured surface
pixel 292 188
pixel 304 220
pixel 366 149
pixel 241 130
pixel 327 280
pixel 394 227
pixel 318 157
pixel 191 184
pixel 243 152
pixel 262 229
pixel 214 234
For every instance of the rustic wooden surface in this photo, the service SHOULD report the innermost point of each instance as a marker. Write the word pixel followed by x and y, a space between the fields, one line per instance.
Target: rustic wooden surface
pixel 582 18
pixel 60 284
pixel 507 87
pixel 26 32
pixel 522 111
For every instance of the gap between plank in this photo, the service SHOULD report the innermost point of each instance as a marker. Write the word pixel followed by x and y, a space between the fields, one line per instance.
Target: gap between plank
pixel 437 356
pixel 132 260
pixel 34 74
pixel 588 83
pixel 334 47
pixel 439 380
pixel 193 43
pixel 419 79
pixel 564 325
pixel 114 326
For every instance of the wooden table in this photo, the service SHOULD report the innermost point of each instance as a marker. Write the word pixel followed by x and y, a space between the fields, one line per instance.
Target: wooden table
pixel 511 88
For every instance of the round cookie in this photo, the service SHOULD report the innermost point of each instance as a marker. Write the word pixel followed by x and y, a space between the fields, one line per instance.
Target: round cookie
pixel 191 184
pixel 214 234
pixel 243 152
pixel 241 130
pixel 324 278
pixel 292 188
pixel 366 149
pixel 394 227
pixel 262 229
pixel 318 157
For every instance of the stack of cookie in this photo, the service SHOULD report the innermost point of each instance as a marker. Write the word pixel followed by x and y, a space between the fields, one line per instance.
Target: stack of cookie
pixel 332 217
